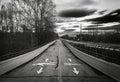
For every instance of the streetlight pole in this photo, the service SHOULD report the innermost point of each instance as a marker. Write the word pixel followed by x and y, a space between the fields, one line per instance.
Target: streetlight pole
pixel 80 31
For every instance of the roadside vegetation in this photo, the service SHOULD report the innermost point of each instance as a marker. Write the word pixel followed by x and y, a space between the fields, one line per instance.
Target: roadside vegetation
pixel 24 25
pixel 104 46
pixel 104 54
pixel 111 38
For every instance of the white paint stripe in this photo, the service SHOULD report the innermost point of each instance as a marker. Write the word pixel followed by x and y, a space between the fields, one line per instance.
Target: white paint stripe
pixel 106 48
pixel 70 64
pixel 117 50
pixel 42 64
pixel 70 59
pixel 46 60
pixel 111 48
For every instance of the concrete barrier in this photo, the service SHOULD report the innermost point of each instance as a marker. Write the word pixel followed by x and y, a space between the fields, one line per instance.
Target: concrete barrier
pixel 10 64
pixel 110 69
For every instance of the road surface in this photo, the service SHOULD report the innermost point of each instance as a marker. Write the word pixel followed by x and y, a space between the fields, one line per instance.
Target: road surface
pixel 56 64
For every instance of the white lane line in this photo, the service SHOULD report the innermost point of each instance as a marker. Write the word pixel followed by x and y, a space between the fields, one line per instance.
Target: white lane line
pixel 69 59
pixel 46 60
pixel 60 67
pixel 75 71
pixel 40 71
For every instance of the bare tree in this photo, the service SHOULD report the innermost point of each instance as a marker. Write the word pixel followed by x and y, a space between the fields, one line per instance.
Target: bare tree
pixel 3 16
pixel 6 16
pixel 36 12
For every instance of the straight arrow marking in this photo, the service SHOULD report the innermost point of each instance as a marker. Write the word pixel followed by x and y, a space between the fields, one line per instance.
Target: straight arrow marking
pixel 40 71
pixel 75 71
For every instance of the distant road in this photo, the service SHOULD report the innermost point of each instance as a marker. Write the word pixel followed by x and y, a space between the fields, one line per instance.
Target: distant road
pixel 56 64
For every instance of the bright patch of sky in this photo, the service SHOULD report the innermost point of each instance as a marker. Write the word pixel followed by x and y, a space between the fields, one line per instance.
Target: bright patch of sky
pixel 99 5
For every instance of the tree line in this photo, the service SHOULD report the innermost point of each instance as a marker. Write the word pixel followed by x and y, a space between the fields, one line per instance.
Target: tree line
pixel 27 15
pixel 25 24
pixel 112 38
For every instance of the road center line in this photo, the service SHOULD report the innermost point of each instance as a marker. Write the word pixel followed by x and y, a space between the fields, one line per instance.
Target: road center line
pixel 59 67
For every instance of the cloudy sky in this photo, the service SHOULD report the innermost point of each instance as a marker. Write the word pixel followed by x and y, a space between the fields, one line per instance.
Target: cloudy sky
pixel 73 13
pixel 78 4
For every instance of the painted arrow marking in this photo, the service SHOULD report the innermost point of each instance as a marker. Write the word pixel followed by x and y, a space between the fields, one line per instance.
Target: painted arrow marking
pixel 75 71
pixel 40 71
pixel 42 64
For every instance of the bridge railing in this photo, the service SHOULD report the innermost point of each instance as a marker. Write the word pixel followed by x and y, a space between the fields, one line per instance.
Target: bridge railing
pixel 110 69
pixel 10 64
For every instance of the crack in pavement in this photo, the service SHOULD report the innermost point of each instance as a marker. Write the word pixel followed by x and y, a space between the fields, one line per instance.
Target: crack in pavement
pixel 57 64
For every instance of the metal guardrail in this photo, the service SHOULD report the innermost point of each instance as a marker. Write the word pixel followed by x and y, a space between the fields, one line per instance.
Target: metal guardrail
pixel 10 64
pixel 112 47
pixel 110 69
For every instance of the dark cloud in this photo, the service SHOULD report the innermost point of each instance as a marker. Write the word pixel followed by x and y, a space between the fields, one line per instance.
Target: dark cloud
pixel 109 18
pixel 76 26
pixel 76 13
pixel 69 30
pixel 63 28
pixel 114 27
pixel 92 27
pixel 102 12
pixel 60 21
pixel 98 25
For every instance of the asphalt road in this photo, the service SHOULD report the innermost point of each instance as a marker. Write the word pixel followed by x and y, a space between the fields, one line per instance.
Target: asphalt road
pixel 56 64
